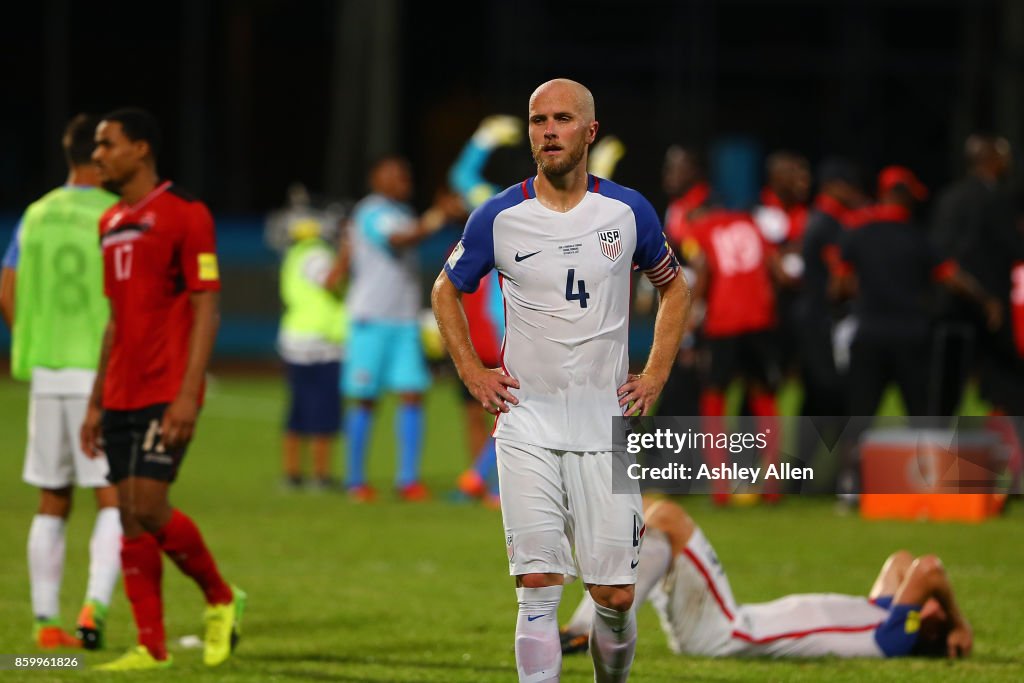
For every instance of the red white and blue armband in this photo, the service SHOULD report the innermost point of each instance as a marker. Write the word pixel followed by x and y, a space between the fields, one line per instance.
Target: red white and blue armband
pixel 664 271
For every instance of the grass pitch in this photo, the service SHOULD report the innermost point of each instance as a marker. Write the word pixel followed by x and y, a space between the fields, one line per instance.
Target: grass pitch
pixel 419 592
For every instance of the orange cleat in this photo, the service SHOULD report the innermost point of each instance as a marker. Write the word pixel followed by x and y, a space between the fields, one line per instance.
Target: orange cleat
pixel 472 484
pixel 414 492
pixel 362 493
pixel 53 637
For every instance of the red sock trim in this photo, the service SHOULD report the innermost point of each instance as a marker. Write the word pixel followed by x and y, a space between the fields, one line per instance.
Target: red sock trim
pixel 712 403
pixel 763 405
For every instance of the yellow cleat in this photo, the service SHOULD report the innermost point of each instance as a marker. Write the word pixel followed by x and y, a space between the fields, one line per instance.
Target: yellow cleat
pixel 223 628
pixel 746 500
pixel 137 659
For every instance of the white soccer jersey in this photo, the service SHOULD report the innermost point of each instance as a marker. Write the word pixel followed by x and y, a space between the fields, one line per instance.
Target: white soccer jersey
pixel 385 283
pixel 700 616
pixel 810 625
pixel 565 279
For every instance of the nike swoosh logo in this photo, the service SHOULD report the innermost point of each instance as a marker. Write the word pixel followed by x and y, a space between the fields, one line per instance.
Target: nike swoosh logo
pixel 633 564
pixel 535 618
pixel 526 256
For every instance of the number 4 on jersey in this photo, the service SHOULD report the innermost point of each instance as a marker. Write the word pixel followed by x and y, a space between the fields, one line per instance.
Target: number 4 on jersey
pixel 581 295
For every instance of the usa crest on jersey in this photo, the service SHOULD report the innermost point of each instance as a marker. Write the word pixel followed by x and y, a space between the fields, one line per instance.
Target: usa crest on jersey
pixel 611 243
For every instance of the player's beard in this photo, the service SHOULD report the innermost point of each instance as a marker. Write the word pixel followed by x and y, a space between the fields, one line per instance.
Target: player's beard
pixel 115 185
pixel 555 167
pixel 111 185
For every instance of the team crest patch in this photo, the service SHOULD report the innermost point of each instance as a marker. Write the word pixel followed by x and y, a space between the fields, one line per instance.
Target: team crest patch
pixel 510 547
pixel 611 243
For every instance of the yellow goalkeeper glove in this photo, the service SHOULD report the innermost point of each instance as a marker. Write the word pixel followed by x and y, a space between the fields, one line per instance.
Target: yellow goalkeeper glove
pixel 499 130
pixel 605 155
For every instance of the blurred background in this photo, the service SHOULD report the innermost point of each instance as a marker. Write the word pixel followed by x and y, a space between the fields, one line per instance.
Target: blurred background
pixel 254 95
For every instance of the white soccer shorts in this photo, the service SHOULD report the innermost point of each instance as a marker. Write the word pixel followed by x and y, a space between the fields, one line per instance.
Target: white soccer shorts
pixel 552 500
pixel 697 609
pixel 53 457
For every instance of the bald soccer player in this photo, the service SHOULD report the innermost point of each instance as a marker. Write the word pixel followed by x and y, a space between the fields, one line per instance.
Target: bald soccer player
pixel 565 243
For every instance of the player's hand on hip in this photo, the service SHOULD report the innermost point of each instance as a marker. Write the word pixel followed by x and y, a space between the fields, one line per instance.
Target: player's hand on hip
pixel 639 393
pixel 491 388
pixel 959 642
pixel 179 421
pixel 90 437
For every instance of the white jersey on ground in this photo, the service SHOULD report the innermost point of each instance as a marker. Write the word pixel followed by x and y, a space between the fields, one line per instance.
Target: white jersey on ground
pixel 565 279
pixel 700 616
pixel 385 282
pixel 810 625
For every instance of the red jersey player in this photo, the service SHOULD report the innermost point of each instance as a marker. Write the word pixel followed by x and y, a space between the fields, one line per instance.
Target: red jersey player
pixel 160 274
pixel 734 279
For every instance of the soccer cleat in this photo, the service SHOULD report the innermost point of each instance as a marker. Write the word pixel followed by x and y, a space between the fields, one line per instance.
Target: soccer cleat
pixel 745 500
pixel 323 484
pixel 362 493
pixel 573 644
pixel 414 492
pixel 49 636
pixel 91 621
pixel 136 659
pixel 223 628
pixel 292 482
pixel 472 484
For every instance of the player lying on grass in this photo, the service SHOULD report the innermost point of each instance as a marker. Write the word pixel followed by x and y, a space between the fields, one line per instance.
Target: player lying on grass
pixel 910 609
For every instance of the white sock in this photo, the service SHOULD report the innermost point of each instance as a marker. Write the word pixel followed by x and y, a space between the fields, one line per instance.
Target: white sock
pixel 538 650
pixel 104 556
pixel 46 564
pixel 612 644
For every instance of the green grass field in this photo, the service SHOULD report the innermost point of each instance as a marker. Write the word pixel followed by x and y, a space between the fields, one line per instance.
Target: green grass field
pixel 401 592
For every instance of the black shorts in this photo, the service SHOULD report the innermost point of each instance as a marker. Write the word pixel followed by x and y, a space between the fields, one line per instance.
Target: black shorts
pixel 134 446
pixel 753 356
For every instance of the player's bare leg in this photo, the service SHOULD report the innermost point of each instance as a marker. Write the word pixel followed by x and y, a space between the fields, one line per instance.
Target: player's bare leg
pixel 46 566
pixel 320 446
pixel 890 578
pixel 670 519
pixel 291 457
pixel 613 632
pixel 538 648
